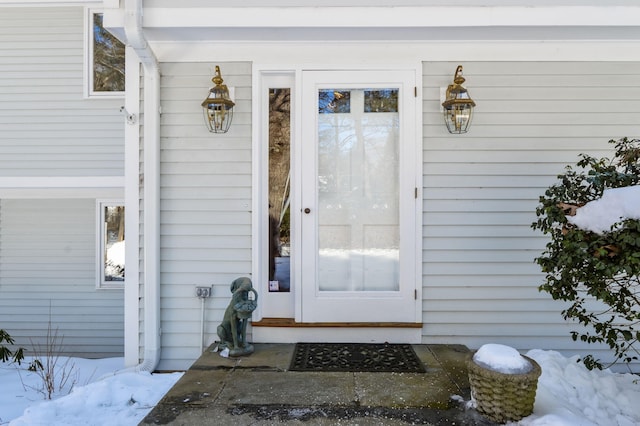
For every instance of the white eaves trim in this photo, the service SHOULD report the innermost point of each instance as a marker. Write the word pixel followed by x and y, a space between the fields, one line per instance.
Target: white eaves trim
pixel 390 16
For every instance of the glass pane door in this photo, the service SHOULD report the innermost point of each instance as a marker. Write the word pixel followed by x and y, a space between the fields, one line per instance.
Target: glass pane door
pixel 358 207
pixel 358 221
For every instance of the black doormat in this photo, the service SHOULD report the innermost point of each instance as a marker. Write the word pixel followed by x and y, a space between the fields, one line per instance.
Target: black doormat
pixel 356 357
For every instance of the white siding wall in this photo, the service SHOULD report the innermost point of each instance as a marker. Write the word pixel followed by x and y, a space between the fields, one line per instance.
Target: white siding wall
pixel 481 190
pixel 47 274
pixel 47 128
pixel 206 204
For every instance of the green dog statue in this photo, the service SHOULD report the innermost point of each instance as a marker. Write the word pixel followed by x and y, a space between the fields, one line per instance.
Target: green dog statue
pixel 233 330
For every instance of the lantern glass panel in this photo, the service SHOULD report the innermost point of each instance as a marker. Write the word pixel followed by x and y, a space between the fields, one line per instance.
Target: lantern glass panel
pixel 458 117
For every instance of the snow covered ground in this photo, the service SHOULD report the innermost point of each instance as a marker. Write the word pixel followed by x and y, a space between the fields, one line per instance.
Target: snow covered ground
pixel 568 395
pixel 93 394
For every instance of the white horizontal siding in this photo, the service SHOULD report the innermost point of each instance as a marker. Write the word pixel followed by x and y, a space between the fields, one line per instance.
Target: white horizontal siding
pixel 47 127
pixel 206 204
pixel 480 282
pixel 47 276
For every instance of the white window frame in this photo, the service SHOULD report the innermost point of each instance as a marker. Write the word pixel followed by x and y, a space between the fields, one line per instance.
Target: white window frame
pixel 88 59
pixel 274 304
pixel 101 283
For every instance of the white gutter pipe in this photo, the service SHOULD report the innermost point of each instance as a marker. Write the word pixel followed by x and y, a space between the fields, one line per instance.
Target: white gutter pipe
pixel 151 238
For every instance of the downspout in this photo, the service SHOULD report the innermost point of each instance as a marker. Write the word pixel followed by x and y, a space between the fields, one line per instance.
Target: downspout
pixel 151 186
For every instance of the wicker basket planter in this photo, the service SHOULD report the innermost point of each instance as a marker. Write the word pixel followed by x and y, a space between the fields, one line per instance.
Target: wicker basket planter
pixel 503 397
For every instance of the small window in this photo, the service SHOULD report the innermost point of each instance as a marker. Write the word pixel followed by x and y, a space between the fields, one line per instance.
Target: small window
pixel 111 254
pixel 105 59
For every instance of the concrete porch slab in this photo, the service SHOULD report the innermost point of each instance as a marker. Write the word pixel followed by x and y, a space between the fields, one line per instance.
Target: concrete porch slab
pixel 259 390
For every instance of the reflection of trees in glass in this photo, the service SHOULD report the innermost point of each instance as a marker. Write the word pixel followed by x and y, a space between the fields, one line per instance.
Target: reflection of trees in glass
pixel 383 100
pixel 334 102
pixel 108 59
pixel 114 218
pixel 279 182
pixel 279 151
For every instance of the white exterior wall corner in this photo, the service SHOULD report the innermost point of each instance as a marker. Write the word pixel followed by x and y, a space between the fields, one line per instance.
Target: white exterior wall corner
pixel 133 220
pixel 481 190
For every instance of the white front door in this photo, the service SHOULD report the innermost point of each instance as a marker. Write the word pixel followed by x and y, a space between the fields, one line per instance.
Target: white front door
pixel 358 197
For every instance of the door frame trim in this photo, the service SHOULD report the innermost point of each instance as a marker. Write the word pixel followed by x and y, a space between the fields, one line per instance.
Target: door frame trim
pixel 276 302
pixel 259 223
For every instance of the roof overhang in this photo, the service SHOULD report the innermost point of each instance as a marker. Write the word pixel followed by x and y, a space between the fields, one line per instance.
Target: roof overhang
pixel 410 23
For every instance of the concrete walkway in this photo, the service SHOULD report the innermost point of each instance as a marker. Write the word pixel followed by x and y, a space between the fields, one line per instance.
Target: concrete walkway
pixel 259 390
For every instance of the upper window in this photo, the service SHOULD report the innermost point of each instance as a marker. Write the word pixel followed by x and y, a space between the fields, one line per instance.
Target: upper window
pixel 105 59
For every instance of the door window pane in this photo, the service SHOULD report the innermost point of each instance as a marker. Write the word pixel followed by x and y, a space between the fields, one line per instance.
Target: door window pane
pixel 384 100
pixel 358 181
pixel 334 102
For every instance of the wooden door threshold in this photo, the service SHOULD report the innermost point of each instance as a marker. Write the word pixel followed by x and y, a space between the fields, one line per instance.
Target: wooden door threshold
pixel 290 322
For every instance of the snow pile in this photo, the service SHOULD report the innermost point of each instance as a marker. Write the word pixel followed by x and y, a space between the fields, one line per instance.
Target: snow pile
pixel 614 206
pixel 571 395
pixel 501 358
pixel 118 399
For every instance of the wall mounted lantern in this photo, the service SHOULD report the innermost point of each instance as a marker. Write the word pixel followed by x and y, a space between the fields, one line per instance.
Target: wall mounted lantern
pixel 458 105
pixel 218 107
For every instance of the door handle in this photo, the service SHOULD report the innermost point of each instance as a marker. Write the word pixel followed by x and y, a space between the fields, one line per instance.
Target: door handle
pixel 307 210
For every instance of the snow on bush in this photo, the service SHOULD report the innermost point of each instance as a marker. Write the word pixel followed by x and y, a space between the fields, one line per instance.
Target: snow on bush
pixel 615 205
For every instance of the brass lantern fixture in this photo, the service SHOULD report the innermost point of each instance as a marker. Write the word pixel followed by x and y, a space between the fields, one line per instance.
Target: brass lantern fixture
pixel 218 107
pixel 458 105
